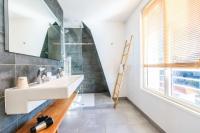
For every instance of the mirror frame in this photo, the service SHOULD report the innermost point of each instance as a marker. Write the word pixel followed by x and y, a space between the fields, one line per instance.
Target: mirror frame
pixel 6 25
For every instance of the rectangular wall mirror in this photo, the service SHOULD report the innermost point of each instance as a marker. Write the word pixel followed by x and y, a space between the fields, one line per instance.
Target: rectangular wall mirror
pixel 31 28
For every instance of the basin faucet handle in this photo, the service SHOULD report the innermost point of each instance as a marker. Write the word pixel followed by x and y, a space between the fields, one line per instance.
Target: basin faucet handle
pixel 60 72
pixel 41 74
pixel 40 70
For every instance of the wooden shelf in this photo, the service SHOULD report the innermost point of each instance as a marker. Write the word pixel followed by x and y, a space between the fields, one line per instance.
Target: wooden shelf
pixel 57 111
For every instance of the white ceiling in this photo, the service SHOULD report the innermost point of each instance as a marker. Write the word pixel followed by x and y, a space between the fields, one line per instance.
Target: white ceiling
pixel 98 10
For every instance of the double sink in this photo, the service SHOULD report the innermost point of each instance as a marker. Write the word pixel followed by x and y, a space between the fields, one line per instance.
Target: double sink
pixel 21 101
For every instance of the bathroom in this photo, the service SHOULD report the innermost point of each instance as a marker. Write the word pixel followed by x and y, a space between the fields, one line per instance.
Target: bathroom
pixel 99 66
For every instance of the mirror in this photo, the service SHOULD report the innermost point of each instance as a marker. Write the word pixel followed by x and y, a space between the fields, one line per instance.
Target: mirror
pixel 32 29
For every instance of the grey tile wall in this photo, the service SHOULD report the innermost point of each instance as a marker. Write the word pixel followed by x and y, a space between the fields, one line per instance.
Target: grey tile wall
pixel 73 35
pixel 94 81
pixel 14 65
pixel 87 35
pixel 55 8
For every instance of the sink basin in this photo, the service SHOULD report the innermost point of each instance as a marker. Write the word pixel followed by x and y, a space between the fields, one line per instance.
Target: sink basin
pixel 20 101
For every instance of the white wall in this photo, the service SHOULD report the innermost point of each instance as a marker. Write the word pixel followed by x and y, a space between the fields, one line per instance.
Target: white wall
pixel 170 117
pixel 109 41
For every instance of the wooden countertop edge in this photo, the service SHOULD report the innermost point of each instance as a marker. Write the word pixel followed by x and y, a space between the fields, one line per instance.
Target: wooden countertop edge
pixel 57 111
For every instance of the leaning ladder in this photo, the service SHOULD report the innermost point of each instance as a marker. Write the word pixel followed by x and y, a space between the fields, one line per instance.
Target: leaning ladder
pixel 121 72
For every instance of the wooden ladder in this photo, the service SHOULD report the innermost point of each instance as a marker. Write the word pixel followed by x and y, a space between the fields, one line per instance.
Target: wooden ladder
pixel 121 72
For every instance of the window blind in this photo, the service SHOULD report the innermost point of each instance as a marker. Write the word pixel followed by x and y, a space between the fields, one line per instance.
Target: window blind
pixel 171 33
pixel 153 33
pixel 184 25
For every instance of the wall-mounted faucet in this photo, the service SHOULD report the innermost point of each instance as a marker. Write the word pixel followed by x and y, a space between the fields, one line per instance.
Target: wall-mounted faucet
pixel 60 72
pixel 41 75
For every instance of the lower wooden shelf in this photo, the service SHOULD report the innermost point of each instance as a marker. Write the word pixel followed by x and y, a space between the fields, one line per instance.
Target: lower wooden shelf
pixel 57 111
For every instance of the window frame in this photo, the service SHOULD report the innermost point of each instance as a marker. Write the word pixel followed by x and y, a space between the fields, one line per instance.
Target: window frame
pixel 167 95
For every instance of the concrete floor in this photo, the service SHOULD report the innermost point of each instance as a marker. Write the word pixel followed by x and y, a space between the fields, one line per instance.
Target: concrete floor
pixel 124 119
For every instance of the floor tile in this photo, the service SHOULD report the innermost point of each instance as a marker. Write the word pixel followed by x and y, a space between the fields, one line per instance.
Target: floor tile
pixel 124 119
pixel 95 129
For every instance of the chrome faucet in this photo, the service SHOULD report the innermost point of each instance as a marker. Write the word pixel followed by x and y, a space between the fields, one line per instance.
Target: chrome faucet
pixel 60 72
pixel 41 75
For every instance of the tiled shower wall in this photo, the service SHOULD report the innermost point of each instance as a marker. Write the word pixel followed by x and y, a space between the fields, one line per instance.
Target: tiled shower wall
pixel 85 59
pixel 14 65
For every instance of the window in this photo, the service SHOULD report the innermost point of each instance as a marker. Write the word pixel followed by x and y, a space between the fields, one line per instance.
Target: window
pixel 154 45
pixel 171 49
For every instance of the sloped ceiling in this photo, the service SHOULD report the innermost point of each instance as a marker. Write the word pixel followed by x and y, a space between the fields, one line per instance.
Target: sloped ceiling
pixel 98 10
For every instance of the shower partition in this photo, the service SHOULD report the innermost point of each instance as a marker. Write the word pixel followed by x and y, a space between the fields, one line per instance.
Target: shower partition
pixel 73 51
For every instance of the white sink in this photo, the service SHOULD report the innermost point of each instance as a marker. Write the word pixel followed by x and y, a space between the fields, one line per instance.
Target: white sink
pixel 20 101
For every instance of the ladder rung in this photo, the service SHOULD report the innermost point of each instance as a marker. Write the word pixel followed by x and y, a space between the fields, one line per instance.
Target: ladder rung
pixel 127 48
pixel 119 80
pixel 128 44
pixel 124 57
pixel 123 61
pixel 118 85
pixel 115 98
pixel 117 88
pixel 120 74
pixel 116 93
